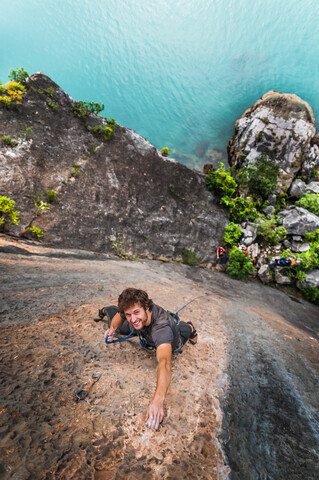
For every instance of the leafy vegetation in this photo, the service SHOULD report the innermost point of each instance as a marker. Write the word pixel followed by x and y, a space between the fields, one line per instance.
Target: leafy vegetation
pixel 11 94
pixel 8 140
pixel 232 234
pixel 18 75
pixel 75 170
pixel 269 233
pixel 82 109
pixel 41 206
pixel 310 202
pixel 259 179
pixel 240 265
pixel 52 105
pixel 165 151
pixel 171 187
pixel 7 211
pixel 52 196
pixel 190 257
pixel 221 181
pixel 36 230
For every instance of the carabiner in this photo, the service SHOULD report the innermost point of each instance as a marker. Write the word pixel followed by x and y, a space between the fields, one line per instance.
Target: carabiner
pixel 81 394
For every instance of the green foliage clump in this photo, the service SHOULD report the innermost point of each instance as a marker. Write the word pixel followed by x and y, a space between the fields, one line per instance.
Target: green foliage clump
pixel 27 133
pixel 240 208
pixel 75 170
pixel 52 196
pixel 82 109
pixel 41 206
pixel 11 94
pixel 18 75
pixel 36 230
pixel 171 187
pixel 165 151
pixel 7 211
pixel 312 237
pixel 231 234
pixel 8 140
pixel 311 293
pixel 240 265
pixel 310 202
pixel 52 105
pixel 260 179
pixel 221 181
pixel 49 91
pixel 190 256
pixel 269 233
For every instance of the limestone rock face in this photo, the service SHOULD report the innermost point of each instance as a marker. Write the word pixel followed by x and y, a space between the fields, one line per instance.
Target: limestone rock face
pixel 297 221
pixel 118 195
pixel 278 125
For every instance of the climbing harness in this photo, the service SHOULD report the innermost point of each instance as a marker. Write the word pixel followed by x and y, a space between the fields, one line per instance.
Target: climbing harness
pixel 143 341
pixel 81 394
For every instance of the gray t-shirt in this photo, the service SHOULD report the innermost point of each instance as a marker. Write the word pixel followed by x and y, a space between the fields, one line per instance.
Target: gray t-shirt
pixel 163 329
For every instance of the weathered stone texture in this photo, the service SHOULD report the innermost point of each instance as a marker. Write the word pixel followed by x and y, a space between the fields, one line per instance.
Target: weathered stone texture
pixel 278 125
pixel 126 187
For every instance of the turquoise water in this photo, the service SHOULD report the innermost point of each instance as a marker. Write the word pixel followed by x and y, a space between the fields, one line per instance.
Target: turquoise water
pixel 179 73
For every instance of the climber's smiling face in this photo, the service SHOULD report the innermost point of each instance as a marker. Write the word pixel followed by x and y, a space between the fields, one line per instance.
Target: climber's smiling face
pixel 138 317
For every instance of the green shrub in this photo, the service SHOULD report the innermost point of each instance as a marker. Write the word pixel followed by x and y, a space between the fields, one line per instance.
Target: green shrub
pixel 165 151
pixel 231 234
pixel 269 233
pixel 18 75
pixel 171 187
pixel 240 265
pixel 49 91
pixel 311 294
pixel 36 230
pixel 41 206
pixel 260 178
pixel 75 170
pixel 52 196
pixel 240 208
pixel 8 140
pixel 190 256
pixel 312 237
pixel 27 133
pixel 11 94
pixel 7 211
pixel 82 109
pixel 221 181
pixel 105 132
pixel 310 202
pixel 52 105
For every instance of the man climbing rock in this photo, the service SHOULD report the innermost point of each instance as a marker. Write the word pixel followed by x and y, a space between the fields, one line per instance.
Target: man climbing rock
pixel 159 330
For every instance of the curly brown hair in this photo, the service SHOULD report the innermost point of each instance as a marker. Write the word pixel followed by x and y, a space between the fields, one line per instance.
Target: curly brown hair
pixel 130 296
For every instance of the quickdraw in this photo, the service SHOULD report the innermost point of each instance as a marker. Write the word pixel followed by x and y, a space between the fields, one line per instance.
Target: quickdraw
pixel 81 394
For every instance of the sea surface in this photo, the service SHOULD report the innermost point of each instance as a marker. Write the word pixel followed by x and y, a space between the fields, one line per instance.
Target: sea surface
pixel 179 73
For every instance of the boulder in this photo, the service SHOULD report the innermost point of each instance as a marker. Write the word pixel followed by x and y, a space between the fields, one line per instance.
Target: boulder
pixel 312 187
pixel 300 247
pixel 269 210
pixel 281 278
pixel 264 274
pixel 311 280
pixel 297 221
pixel 278 125
pixel 298 188
pixel 249 232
